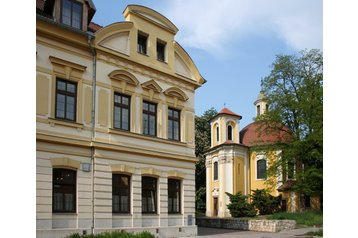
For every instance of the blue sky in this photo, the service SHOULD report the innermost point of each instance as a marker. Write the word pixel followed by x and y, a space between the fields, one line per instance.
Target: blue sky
pixel 232 42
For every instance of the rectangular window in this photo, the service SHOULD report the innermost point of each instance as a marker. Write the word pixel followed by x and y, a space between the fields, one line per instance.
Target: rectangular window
pixel 261 169
pixel 121 113
pixel 149 119
pixel 71 13
pixel 173 124
pixel 63 191
pixel 215 170
pixel 161 50
pixel 142 43
pixel 173 196
pixel 149 195
pixel 258 110
pixel 120 193
pixel 66 93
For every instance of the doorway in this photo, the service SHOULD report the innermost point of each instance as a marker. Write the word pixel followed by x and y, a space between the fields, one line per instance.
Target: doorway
pixel 216 206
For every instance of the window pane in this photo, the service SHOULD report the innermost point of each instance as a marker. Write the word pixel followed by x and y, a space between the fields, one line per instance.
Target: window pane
pixel 70 108
pixel 145 124
pixel 145 106
pixel 176 114
pixel 76 15
pixel 151 125
pixel 125 101
pixel 261 169
pixel 61 85
pixel 66 12
pixel 71 88
pixel 170 129
pixel 151 108
pixel 117 117
pixel 176 130
pixel 60 106
pixel 125 118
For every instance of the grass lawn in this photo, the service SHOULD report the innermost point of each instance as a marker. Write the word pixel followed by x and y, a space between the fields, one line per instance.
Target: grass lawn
pixel 303 218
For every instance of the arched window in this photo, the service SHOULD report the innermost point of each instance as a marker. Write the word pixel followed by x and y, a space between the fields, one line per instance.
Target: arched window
pixel 229 132
pixel 217 133
pixel 258 110
pixel 216 170
pixel 261 169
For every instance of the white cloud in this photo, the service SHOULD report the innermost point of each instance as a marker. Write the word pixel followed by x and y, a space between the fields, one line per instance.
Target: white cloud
pixel 213 24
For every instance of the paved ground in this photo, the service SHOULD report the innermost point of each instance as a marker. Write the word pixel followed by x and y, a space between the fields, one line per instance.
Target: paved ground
pixel 226 233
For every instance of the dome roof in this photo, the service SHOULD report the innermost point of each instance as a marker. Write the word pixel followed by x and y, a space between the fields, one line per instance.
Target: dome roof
pixel 253 135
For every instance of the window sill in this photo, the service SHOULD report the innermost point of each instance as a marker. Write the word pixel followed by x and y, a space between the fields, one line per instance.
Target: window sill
pixel 162 61
pixel 142 136
pixel 55 121
pixel 142 53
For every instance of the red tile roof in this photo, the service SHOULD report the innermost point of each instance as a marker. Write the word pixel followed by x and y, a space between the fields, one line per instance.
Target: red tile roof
pixel 94 27
pixel 253 134
pixel 287 185
pixel 227 111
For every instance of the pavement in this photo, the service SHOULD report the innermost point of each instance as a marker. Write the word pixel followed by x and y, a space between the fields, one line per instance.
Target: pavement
pixel 227 233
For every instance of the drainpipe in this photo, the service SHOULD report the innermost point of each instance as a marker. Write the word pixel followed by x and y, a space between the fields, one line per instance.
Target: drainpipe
pixel 94 64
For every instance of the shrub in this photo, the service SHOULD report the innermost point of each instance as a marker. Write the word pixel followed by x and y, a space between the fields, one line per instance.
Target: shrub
pixel 263 201
pixel 239 207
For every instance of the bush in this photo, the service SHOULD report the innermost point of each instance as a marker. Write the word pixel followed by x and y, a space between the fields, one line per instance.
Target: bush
pixel 114 234
pixel 265 202
pixel 200 199
pixel 239 207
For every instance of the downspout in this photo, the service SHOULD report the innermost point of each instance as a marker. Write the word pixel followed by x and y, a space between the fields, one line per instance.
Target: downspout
pixel 93 116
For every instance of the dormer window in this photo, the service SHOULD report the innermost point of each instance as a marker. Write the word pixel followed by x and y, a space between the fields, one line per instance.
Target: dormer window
pixel 142 43
pixel 71 13
pixel 161 50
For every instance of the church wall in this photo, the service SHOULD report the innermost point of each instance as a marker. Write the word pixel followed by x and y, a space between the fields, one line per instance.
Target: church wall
pixel 238 172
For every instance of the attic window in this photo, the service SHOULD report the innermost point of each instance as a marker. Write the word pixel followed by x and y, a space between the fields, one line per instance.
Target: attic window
pixel 71 13
pixel 142 43
pixel 161 50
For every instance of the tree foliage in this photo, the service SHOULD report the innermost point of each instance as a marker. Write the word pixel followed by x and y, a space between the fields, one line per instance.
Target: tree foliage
pixel 202 144
pixel 264 202
pixel 239 206
pixel 294 91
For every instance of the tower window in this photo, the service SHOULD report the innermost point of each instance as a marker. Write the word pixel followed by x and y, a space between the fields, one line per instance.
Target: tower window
pixel 229 132
pixel 267 107
pixel 258 110
pixel 216 170
pixel 142 43
pixel 217 133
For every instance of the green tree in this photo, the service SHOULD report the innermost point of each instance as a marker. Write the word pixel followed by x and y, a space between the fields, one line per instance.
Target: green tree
pixel 263 201
pixel 239 206
pixel 294 91
pixel 202 144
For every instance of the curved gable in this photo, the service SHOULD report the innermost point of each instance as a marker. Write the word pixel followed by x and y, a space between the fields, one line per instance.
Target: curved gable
pixel 115 37
pixel 151 16
pixel 122 75
pixel 185 66
pixel 176 92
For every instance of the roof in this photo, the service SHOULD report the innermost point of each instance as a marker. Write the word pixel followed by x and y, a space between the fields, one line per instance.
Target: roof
pixel 253 134
pixel 93 27
pixel 226 111
pixel 287 185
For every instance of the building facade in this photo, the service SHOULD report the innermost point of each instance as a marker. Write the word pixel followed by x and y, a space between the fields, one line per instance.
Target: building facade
pixel 238 160
pixel 115 123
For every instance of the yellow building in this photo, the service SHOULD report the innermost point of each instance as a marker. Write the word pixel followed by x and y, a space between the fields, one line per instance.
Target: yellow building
pixel 237 162
pixel 115 123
